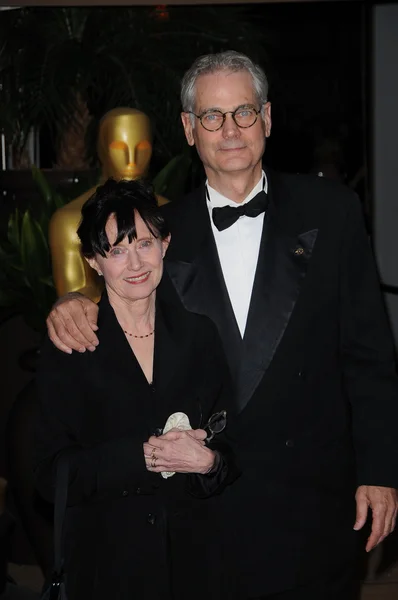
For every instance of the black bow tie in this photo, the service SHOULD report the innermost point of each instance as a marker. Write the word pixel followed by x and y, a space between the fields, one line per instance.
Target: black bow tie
pixel 224 217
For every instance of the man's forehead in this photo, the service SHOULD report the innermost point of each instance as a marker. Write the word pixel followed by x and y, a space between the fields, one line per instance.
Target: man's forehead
pixel 224 90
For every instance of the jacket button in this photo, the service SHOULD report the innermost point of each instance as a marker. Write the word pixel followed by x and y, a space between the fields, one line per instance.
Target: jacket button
pixel 289 443
pixel 125 493
pixel 151 519
pixel 138 491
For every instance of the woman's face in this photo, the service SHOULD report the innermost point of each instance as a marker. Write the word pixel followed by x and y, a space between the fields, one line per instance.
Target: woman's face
pixel 132 271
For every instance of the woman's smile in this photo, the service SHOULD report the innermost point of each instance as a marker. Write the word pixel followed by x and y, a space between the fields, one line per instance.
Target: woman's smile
pixel 138 278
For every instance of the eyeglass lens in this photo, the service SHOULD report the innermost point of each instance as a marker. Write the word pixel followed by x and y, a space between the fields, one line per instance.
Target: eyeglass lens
pixel 243 117
pixel 216 424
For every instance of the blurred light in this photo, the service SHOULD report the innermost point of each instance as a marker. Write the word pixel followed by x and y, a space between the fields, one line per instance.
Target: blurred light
pixel 161 12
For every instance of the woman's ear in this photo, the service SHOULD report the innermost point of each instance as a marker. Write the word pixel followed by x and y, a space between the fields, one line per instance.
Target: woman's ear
pixel 94 265
pixel 165 244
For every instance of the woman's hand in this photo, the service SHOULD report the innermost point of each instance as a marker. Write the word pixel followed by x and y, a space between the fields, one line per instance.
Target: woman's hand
pixel 179 451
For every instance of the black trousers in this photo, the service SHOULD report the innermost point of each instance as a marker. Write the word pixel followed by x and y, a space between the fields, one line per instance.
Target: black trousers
pixel 344 585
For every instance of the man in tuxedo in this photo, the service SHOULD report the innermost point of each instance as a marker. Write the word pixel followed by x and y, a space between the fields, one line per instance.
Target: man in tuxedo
pixel 282 265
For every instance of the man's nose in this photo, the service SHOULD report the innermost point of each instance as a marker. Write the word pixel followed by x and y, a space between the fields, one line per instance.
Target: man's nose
pixel 230 128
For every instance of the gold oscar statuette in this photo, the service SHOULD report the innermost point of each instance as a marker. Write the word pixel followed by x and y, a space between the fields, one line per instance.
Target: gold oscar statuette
pixel 125 150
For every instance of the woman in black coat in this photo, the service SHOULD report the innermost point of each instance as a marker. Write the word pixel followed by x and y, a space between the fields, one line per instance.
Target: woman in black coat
pixel 140 522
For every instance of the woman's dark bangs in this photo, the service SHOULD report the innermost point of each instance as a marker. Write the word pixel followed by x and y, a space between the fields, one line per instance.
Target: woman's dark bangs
pixel 101 243
pixel 123 209
pixel 149 223
pixel 125 223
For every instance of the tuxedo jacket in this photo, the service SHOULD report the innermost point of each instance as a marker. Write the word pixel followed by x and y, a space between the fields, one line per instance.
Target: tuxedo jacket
pixel 129 532
pixel 316 393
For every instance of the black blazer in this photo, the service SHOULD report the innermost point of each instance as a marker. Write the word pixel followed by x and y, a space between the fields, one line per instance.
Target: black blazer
pixel 315 384
pixel 129 532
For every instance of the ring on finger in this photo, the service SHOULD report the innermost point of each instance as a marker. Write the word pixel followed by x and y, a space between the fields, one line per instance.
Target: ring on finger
pixel 153 453
pixel 153 463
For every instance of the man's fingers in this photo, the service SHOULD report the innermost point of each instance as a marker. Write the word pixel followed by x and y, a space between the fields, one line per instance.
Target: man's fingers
pixel 390 521
pixel 378 525
pixel 55 339
pixel 384 504
pixel 61 329
pixel 393 522
pixel 79 329
pixel 62 332
pixel 73 321
pixel 362 512
pixel 85 325
pixel 91 311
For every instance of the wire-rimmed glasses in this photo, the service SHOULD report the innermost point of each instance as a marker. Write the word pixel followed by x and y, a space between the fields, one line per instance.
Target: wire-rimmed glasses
pixel 216 424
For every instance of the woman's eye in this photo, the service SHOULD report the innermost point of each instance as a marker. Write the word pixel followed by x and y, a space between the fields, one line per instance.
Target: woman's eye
pixel 118 252
pixel 145 244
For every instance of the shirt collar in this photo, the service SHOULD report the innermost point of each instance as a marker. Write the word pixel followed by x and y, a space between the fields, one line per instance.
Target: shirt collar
pixel 215 199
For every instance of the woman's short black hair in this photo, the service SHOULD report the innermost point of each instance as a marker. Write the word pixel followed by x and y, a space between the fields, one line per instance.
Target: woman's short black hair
pixel 120 199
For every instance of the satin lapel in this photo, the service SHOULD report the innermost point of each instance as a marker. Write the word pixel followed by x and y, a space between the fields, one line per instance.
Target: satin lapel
pixel 200 285
pixel 201 288
pixel 281 268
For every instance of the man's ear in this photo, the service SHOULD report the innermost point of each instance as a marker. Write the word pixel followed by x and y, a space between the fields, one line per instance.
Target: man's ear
pixel 165 244
pixel 94 265
pixel 266 110
pixel 188 128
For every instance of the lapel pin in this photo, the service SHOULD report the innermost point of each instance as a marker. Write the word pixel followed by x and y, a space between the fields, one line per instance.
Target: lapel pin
pixel 299 251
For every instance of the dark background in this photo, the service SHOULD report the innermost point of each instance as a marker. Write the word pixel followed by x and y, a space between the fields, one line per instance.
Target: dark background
pixel 316 56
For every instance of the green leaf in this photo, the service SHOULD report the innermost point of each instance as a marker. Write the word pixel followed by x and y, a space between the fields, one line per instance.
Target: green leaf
pixel 34 249
pixel 42 184
pixel 59 201
pixel 48 281
pixel 13 232
pixel 171 180
pixel 10 259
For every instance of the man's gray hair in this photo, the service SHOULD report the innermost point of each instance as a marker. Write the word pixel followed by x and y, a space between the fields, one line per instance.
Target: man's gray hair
pixel 230 62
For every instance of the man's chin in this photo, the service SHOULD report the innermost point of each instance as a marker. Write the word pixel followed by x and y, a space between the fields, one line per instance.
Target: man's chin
pixel 235 165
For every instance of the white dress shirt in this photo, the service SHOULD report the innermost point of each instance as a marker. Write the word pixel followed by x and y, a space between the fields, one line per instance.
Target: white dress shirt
pixel 238 248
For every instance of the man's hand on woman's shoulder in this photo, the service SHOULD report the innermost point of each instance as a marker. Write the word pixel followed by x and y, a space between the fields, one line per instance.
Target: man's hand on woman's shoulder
pixel 72 322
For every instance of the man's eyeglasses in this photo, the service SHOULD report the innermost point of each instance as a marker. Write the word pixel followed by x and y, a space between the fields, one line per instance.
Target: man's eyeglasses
pixel 216 424
pixel 244 116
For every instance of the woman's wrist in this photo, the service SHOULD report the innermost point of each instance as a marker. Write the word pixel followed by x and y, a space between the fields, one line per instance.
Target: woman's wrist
pixel 213 464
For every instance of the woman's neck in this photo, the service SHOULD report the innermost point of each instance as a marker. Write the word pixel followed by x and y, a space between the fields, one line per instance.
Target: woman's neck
pixel 136 317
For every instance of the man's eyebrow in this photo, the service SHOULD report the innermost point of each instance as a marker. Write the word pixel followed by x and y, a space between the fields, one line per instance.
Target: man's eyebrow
pixel 205 110
pixel 244 105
